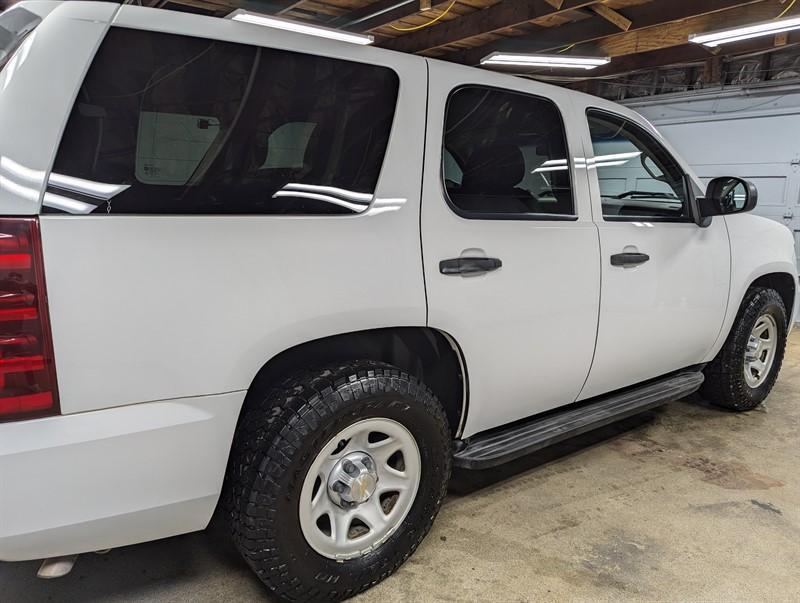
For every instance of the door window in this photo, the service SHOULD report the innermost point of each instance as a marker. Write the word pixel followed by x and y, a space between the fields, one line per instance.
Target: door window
pixel 505 155
pixel 638 178
pixel 169 124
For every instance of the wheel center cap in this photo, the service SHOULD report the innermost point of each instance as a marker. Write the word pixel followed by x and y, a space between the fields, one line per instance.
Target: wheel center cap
pixel 363 487
pixel 353 480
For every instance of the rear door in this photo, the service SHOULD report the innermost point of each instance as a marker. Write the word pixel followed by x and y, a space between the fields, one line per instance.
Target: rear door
pixel 501 187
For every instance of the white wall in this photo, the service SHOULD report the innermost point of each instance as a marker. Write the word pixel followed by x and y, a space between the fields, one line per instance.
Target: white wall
pixel 752 133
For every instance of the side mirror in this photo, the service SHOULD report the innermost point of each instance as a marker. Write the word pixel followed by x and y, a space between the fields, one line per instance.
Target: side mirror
pixel 728 195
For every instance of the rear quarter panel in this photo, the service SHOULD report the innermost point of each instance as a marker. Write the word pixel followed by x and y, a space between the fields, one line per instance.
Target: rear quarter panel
pixel 158 307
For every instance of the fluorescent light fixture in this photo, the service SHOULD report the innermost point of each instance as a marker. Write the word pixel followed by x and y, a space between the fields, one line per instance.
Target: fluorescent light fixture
pixel 354 207
pixel 15 188
pixel 715 38
pixel 544 60
pixel 607 163
pixel 98 190
pixel 312 30
pixel 71 206
pixel 551 168
pixel 617 156
pixel 20 171
pixel 552 165
pixel 331 190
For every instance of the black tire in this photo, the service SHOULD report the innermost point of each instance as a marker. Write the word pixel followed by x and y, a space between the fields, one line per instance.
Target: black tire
pixel 725 385
pixel 277 440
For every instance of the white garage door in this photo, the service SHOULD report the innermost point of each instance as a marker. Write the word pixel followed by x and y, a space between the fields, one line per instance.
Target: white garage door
pixel 762 148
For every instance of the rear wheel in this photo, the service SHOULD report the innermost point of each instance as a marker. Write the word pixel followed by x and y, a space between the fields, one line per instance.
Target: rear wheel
pixel 336 477
pixel 745 369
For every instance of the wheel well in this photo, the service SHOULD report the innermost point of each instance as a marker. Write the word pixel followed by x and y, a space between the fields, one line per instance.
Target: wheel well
pixel 425 353
pixel 783 283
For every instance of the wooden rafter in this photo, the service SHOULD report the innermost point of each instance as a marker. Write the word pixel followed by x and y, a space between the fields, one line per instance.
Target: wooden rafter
pixel 684 55
pixel 613 16
pixel 380 13
pixel 508 13
pixel 591 30
pixel 677 32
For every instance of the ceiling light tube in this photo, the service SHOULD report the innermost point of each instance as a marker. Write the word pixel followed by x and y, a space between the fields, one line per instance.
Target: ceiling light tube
pixel 296 26
pixel 550 168
pixel 715 38
pixel 617 156
pixel 544 60
pixel 607 163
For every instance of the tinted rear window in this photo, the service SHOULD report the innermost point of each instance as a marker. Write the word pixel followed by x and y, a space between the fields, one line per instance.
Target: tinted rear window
pixel 174 124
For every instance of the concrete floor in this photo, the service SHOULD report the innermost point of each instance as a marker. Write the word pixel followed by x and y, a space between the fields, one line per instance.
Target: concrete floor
pixel 686 503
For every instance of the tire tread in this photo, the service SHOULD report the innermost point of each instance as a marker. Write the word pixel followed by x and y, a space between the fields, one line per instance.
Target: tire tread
pixel 273 431
pixel 725 385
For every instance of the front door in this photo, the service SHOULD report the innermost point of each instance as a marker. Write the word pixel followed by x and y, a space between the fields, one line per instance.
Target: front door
pixel 665 279
pixel 511 255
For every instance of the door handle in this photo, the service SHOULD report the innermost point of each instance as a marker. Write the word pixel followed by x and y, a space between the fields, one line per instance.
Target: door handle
pixel 629 259
pixel 466 266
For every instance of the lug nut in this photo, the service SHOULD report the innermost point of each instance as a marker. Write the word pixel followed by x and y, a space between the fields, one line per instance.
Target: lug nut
pixel 349 468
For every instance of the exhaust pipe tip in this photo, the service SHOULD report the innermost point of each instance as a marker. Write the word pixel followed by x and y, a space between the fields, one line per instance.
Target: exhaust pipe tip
pixel 56 567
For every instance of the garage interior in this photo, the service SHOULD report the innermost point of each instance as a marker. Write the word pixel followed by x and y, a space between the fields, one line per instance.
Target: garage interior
pixel 682 503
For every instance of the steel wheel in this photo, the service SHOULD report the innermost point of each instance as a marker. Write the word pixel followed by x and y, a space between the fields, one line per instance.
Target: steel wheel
pixel 359 488
pixel 760 351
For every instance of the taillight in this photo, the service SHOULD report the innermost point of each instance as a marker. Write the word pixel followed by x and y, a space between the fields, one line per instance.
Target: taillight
pixel 27 369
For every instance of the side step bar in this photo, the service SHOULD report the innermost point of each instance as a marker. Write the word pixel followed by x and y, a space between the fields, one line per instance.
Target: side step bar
pixel 506 444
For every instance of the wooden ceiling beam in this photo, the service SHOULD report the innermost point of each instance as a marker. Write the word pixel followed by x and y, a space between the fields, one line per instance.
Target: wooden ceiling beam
pixel 683 55
pixel 676 33
pixel 269 7
pixel 612 16
pixel 688 54
pixel 504 14
pixel 642 16
pixel 381 13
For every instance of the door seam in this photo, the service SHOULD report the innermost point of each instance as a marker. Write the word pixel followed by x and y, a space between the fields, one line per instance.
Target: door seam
pixel 422 191
pixel 600 277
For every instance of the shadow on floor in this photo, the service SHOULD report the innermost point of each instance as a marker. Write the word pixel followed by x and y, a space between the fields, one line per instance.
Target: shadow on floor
pixel 201 566
pixel 465 482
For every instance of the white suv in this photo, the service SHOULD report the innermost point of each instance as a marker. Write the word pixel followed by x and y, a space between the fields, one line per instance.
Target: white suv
pixel 299 279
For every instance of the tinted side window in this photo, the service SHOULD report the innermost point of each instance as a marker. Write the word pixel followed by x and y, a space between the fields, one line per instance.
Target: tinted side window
pixel 174 124
pixel 638 177
pixel 505 153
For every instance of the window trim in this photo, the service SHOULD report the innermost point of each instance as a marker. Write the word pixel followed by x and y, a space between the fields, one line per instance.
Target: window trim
pixel 687 202
pixel 472 215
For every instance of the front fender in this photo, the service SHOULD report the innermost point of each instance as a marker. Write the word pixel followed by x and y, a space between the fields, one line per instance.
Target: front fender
pixel 759 247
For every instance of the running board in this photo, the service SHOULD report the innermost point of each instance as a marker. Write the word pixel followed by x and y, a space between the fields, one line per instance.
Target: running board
pixel 500 446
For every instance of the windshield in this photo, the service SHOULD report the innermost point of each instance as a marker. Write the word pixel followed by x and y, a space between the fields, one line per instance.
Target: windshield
pixel 15 24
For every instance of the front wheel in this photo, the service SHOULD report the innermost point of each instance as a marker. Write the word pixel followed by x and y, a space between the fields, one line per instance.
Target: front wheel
pixel 745 369
pixel 336 477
